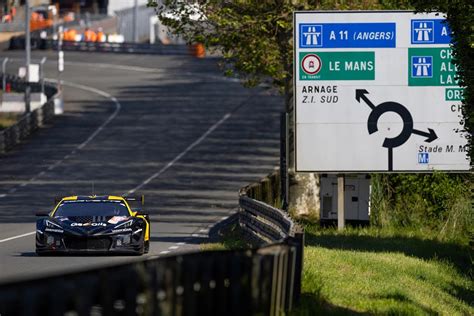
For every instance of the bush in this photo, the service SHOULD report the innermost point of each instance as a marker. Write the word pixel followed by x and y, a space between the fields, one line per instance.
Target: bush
pixel 441 202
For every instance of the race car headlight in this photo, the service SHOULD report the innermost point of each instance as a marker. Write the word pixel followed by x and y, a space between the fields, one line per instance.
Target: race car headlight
pixel 51 224
pixel 124 225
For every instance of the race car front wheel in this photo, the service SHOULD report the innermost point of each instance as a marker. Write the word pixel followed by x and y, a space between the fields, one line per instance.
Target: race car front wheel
pixel 146 246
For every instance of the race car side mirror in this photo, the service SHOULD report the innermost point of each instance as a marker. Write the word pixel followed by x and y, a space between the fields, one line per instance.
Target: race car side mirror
pixel 43 214
pixel 141 213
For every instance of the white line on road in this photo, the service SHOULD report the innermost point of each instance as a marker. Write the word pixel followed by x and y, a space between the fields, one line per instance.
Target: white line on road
pixel 105 95
pixel 2 195
pixel 188 149
pixel 15 237
pixel 164 252
pixel 173 247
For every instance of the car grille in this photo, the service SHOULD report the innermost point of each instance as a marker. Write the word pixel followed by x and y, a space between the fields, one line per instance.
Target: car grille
pixel 98 243
pixel 89 219
pixel 81 219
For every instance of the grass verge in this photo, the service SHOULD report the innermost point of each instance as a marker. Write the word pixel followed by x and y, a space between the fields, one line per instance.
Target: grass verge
pixel 232 239
pixel 387 272
pixel 7 120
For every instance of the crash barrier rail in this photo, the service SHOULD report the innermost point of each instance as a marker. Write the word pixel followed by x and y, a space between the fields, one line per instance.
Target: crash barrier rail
pixel 18 42
pixel 29 122
pixel 267 190
pixel 245 282
pixel 264 224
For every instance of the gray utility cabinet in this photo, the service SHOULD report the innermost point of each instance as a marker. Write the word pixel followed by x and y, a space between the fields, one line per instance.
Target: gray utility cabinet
pixel 356 199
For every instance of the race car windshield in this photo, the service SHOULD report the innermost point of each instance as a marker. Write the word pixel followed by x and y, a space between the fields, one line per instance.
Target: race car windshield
pixel 91 208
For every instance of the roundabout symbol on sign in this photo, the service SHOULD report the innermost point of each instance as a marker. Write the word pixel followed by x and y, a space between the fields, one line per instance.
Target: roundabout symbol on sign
pixel 407 130
pixel 311 64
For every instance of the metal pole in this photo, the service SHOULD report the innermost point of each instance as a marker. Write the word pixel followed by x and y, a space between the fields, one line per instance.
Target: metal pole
pixel 135 22
pixel 60 55
pixel 4 72
pixel 28 55
pixel 58 102
pixel 284 180
pixel 340 202
pixel 42 73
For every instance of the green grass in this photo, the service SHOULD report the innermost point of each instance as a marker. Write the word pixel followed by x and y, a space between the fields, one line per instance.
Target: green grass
pixel 233 239
pixel 385 272
pixel 7 120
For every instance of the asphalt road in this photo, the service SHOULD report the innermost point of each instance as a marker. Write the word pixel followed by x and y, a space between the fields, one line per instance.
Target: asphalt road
pixel 169 127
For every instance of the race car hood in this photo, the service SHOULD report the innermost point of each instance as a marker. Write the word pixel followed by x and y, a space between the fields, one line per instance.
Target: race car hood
pixel 94 225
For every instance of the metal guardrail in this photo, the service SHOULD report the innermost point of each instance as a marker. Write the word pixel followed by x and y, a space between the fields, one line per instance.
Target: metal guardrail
pixel 15 134
pixel 264 224
pixel 18 42
pixel 246 282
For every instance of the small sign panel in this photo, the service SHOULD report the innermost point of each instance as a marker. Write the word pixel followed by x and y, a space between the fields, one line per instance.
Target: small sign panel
pixel 336 35
pixel 426 32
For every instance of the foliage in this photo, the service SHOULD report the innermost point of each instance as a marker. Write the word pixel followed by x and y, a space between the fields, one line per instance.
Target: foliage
pixel 7 120
pixel 231 239
pixel 439 202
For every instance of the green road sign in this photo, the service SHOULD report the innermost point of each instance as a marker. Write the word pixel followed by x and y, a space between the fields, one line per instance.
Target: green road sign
pixel 431 67
pixel 337 66
pixel 454 94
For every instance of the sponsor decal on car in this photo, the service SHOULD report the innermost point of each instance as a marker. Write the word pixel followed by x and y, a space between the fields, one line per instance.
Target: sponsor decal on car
pixel 53 230
pixel 121 230
pixel 88 224
pixel 116 219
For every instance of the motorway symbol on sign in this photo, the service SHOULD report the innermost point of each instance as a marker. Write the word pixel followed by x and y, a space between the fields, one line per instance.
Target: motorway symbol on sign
pixel 311 64
pixel 422 67
pixel 402 111
pixel 311 35
pixel 422 32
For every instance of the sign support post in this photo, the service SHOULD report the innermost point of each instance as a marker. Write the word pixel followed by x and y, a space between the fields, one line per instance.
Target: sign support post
pixel 284 152
pixel 340 202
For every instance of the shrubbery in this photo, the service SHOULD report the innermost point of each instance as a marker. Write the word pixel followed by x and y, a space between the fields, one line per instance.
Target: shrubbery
pixel 439 201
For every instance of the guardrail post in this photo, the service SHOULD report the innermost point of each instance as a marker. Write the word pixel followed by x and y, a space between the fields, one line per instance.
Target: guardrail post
pixel 284 152
pixel 298 242
pixel 42 73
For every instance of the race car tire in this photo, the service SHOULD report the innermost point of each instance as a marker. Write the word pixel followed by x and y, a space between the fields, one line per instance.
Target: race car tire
pixel 146 246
